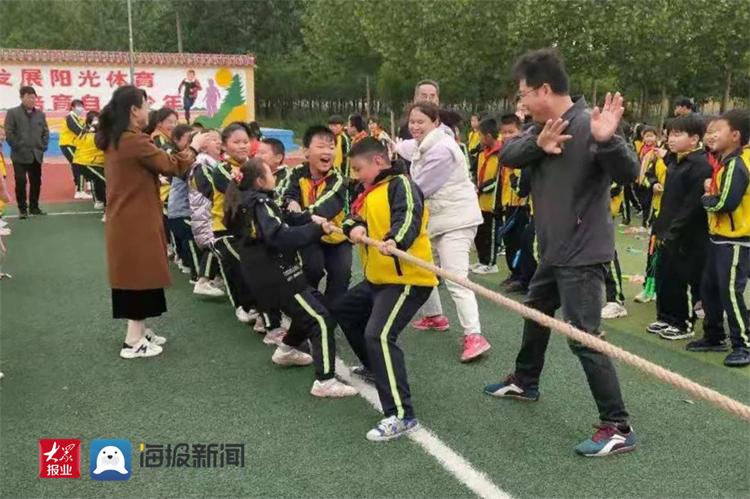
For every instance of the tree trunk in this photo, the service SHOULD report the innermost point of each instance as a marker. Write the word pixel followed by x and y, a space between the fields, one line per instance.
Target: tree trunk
pixel 664 108
pixel 178 26
pixel 593 92
pixel 727 90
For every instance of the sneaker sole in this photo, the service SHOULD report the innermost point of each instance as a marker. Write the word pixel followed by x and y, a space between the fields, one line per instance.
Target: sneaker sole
pixel 395 437
pixel 129 356
pixel 621 450
pixel 476 355
pixel 675 338
pixel 616 316
pixel 514 397
pixel 339 396
pixel 737 364
pixel 439 329
pixel 290 364
pixel 707 349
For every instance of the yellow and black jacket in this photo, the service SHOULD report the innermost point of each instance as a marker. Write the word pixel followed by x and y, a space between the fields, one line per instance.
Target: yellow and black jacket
pixel 509 197
pixel 393 208
pixel 728 206
pixel 282 179
pixel 325 197
pixel 163 142
pixel 212 183
pixel 71 128
pixel 87 154
pixel 487 178
pixel 616 198
pixel 656 173
pixel 341 155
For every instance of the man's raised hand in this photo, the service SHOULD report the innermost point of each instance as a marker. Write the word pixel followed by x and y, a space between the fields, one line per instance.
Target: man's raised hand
pixel 604 121
pixel 551 138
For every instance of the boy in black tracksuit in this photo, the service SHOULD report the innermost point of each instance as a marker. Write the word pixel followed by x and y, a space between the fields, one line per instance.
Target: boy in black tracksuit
pixel 267 248
pixel 681 230
pixel 374 312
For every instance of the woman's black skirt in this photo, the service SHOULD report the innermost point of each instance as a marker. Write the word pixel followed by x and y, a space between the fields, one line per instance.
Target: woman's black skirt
pixel 137 305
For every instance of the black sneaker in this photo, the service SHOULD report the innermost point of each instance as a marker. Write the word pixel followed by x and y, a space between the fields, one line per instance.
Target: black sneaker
pixel 657 327
pixel 37 212
pixel 516 287
pixel 364 373
pixel 740 357
pixel 675 333
pixel 704 345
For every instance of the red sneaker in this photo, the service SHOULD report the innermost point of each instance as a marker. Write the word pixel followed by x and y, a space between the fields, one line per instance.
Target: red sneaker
pixel 474 345
pixel 434 322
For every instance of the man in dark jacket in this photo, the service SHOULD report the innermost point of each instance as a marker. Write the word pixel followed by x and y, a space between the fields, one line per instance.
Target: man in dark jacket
pixel 28 137
pixel 573 159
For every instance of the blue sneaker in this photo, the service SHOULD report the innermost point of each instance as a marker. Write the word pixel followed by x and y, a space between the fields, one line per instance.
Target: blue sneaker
pixel 511 388
pixel 392 428
pixel 607 440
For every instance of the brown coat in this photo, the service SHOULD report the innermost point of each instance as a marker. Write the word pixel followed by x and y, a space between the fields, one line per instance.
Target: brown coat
pixel 136 243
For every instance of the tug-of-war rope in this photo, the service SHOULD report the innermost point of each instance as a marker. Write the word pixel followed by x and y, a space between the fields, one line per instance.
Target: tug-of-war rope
pixel 697 390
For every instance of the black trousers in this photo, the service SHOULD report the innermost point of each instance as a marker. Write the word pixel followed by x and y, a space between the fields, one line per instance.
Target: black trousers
pixel 724 279
pixel 516 220
pixel 580 293
pixel 527 257
pixel 679 270
pixel 96 176
pixel 209 264
pixel 613 281
pixel 231 271
pixel 185 246
pixel 644 195
pixel 311 320
pixel 334 261
pixel 372 316
pixel 69 152
pixel 34 172
pixel 485 239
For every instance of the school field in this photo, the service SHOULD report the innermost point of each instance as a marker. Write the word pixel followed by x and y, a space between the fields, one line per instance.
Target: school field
pixel 215 383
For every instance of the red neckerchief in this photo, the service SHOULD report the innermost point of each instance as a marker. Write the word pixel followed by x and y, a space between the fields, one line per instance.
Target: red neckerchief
pixel 254 146
pixel 487 153
pixel 312 196
pixel 361 135
pixel 646 149
pixel 357 204
pixel 715 167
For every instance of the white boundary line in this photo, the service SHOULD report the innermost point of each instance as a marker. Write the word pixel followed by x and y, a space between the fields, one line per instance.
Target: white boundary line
pixel 455 464
pixel 60 213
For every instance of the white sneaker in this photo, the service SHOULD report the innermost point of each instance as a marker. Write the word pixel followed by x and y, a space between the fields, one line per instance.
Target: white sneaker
pixel 5 231
pixel 3 223
pixel 260 325
pixel 154 338
pixel 253 314
pixel 218 282
pixel 391 428
pixel 613 310
pixel 486 269
pixel 242 316
pixel 285 355
pixel 275 336
pixel 141 349
pixel 207 289
pixel 98 205
pixel 85 195
pixel 475 266
pixel 183 269
pixel 104 218
pixel 332 388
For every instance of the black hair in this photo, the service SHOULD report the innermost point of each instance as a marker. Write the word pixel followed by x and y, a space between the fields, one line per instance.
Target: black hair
pixel 75 102
pixel 692 124
pixel 251 170
pixel 511 119
pixel 317 131
pixel 488 127
pixel 647 129
pixel 357 122
pixel 738 120
pixel 233 127
pixel 180 131
pixel 114 118
pixel 277 146
pixel 374 119
pixel 369 146
pixel 684 102
pixel 425 107
pixel 90 116
pixel 450 118
pixel 197 124
pixel 538 67
pixel 336 119
pixel 427 82
pixel 157 116
pixel 254 128
pixel 26 89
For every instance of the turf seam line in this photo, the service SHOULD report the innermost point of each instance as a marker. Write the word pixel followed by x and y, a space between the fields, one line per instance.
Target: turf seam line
pixel 95 212
pixel 455 464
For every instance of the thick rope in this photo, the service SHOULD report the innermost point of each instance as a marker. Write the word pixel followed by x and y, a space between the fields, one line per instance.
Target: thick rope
pixel 697 390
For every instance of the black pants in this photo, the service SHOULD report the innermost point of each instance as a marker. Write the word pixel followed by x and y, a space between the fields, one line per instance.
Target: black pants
pixel 724 279
pixel 516 220
pixel 485 240
pixel 96 176
pixel 580 293
pixel 209 264
pixel 311 320
pixel 613 281
pixel 334 261
pixel 372 316
pixel 34 172
pixel 679 270
pixel 185 245
pixel 231 272
pixel 644 195
pixel 187 103
pixel 527 262
pixel 69 152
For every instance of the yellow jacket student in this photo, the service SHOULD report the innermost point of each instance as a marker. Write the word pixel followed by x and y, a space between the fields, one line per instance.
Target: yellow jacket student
pixel 341 154
pixel 212 183
pixel 487 178
pixel 656 174
pixel 71 128
pixel 87 154
pixel 324 197
pixel 509 197
pixel 393 208
pixel 729 207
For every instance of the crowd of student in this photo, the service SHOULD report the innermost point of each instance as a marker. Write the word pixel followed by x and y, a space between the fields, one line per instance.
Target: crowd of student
pixel 243 224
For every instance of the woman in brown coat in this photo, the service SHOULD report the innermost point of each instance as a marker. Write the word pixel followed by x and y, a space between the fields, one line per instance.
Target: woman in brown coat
pixel 136 243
